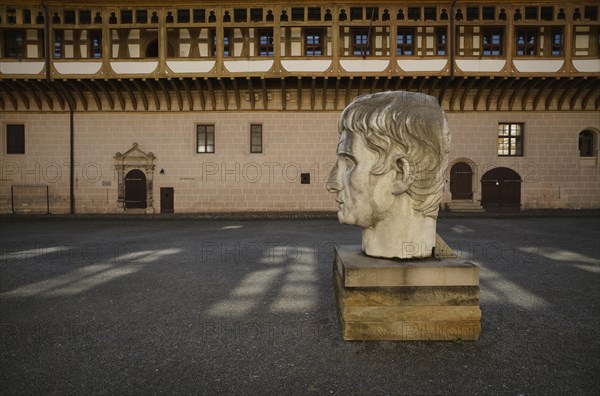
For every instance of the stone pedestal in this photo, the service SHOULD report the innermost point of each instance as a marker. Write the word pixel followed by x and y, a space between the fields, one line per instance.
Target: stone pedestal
pixel 408 300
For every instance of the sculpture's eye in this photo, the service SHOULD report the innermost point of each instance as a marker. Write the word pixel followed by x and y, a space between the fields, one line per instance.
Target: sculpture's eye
pixel 349 163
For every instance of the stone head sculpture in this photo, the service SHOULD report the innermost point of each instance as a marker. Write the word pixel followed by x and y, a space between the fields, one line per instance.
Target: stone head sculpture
pixel 388 177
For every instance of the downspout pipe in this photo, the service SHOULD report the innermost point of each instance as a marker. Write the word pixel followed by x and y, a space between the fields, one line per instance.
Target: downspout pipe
pixel 452 40
pixel 71 113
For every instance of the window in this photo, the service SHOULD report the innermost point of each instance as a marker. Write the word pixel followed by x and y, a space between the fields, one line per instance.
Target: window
pixel 183 16
pixel 526 41
pixel 510 140
pixel 141 16
pixel 297 14
pixel 240 15
pixel 227 44
pixel 14 43
pixel 313 45
pixel 492 42
pixel 405 44
pixel 126 16
pixel 586 144
pixel 256 138
pixel 556 41
pixel 360 42
pixel 265 42
pixel 96 44
pixel 205 138
pixel 59 38
pixel 85 17
pixel 440 41
pixel 314 13
pixel 15 139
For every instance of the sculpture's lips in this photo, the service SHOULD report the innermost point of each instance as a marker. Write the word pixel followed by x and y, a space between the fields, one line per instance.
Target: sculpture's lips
pixel 340 203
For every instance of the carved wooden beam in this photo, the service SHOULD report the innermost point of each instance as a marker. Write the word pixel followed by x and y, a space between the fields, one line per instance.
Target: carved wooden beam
pixel 528 91
pixel 488 101
pixel 479 93
pixel 79 93
pixel 118 94
pixel 165 90
pixel 398 82
pixel 9 95
pixel 111 102
pixel 32 92
pixel 324 97
pixel 313 88
pixel 513 96
pixel 177 91
pixel 411 82
pixel 43 92
pixel 265 93
pixel 299 93
pixel 140 89
pixel 578 93
pixel 567 90
pixel 593 90
pixel 336 93
pixel 463 98
pixel 69 98
pixel 445 86
pixel 361 85
pixel 538 96
pixel 348 90
pixel 211 92
pixel 251 92
pixel 50 87
pixel 283 94
pixel 2 104
pixel 19 91
pixel 455 91
pixel 224 93
pixel 422 83
pixel 188 93
pixel 386 83
pixel 237 95
pixel 557 86
pixel 125 84
pixel 374 84
pixel 200 93
pixel 505 89
pixel 433 85
pixel 154 94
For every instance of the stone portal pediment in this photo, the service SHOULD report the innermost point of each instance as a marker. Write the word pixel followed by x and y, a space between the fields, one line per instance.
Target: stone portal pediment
pixel 135 156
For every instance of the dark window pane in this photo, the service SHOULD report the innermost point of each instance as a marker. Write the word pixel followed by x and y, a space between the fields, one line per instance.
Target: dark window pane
pixel 240 15
pixel 14 43
pixel 356 14
pixel 15 139
pixel 256 14
pixel 126 16
pixel 372 14
pixel 547 13
pixel 591 13
pixel 314 13
pixel 256 138
pixel 183 16
pixel 531 13
pixel 199 15
pixel 472 13
pixel 141 16
pixel 297 14
pixel 414 13
pixel 96 44
pixel 26 16
pixel 430 13
pixel 488 13
pixel 85 17
pixel 70 17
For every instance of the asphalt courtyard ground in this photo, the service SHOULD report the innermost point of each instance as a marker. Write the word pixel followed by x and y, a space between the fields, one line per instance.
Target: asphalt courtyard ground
pixel 223 306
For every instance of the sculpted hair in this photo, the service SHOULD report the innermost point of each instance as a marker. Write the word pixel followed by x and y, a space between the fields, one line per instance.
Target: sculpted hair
pixel 408 124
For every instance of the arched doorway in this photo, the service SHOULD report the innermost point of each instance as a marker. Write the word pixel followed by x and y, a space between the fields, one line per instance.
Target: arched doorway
pixel 501 188
pixel 135 189
pixel 461 181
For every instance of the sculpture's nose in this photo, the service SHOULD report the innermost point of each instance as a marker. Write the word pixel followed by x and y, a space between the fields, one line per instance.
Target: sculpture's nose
pixel 333 183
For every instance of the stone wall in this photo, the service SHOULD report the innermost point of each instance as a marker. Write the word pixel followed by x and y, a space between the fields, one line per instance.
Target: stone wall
pixel 233 179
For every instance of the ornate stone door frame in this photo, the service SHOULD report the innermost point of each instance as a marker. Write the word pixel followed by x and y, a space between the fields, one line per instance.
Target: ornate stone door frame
pixel 134 158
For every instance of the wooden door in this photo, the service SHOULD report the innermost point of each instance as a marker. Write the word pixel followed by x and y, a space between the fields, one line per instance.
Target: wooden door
pixel 461 181
pixel 167 200
pixel 501 188
pixel 135 189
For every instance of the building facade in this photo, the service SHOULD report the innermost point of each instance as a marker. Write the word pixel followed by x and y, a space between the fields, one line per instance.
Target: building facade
pixel 202 106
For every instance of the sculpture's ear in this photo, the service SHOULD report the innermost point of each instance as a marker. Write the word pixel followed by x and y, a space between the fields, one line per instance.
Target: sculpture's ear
pixel 405 174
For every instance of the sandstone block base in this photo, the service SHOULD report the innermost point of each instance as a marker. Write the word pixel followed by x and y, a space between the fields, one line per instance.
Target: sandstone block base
pixel 409 300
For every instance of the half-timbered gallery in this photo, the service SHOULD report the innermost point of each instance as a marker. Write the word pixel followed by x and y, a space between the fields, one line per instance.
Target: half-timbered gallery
pixel 203 106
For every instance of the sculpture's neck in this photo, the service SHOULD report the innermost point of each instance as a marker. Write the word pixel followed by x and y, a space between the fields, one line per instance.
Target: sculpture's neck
pixel 403 237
